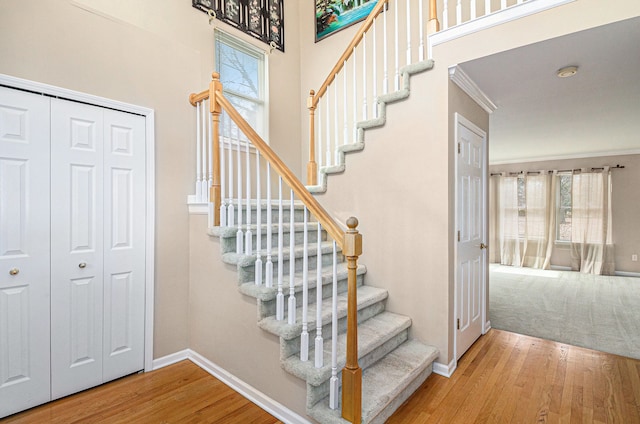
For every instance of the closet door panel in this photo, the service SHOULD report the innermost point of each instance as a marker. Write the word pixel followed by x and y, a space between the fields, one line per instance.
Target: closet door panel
pixel 77 246
pixel 124 255
pixel 24 251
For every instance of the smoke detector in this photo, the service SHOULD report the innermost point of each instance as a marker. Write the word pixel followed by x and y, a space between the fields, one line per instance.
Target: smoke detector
pixel 567 71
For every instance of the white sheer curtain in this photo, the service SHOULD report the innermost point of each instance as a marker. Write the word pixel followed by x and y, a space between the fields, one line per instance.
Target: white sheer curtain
pixel 591 244
pixel 508 233
pixel 539 234
pixel 524 216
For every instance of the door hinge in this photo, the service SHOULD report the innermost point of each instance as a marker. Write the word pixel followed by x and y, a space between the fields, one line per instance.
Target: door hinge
pixel 458 323
pixel 458 235
pixel 459 148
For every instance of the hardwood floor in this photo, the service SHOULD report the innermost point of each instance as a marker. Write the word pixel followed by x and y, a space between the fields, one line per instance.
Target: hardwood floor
pixel 180 393
pixel 510 378
pixel 503 378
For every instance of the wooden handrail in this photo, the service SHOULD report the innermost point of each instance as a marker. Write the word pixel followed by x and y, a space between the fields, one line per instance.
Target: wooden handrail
pixel 328 223
pixel 348 51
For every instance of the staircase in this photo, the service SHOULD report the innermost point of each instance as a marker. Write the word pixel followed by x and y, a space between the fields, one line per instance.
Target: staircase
pixel 394 365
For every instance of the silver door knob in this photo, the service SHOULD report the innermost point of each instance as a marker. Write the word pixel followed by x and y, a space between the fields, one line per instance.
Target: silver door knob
pixel 14 271
pixel 483 246
pixel 82 265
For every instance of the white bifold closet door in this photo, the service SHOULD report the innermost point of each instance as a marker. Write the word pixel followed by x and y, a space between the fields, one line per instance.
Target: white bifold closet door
pixel 24 251
pixel 97 245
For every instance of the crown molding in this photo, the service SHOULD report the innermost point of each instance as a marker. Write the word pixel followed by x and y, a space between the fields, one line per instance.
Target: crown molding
pixel 462 80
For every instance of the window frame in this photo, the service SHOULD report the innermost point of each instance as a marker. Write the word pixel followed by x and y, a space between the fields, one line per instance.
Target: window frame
pixel 559 207
pixel 245 47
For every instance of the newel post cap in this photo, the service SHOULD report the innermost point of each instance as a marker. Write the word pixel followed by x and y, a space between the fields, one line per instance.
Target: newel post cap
pixel 352 239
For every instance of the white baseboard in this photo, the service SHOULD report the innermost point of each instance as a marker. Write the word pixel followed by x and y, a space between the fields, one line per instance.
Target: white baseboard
pixel 273 407
pixel 445 370
pixel 487 326
pixel 170 359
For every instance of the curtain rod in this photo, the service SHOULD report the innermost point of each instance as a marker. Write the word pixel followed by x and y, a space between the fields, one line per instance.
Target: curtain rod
pixel 561 170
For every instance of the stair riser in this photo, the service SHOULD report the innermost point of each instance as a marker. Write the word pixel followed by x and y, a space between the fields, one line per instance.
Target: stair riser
pixel 228 244
pixel 247 273
pixel 316 393
pixel 292 346
pixel 268 308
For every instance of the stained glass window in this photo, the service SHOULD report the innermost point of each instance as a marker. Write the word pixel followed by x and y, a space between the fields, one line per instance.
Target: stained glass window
pixel 262 19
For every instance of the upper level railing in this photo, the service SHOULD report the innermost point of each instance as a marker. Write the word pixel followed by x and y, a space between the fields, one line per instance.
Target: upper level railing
pixel 393 36
pixel 396 36
pixel 237 170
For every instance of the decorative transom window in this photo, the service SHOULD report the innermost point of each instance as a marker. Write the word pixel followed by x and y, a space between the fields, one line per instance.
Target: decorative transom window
pixel 262 19
pixel 242 73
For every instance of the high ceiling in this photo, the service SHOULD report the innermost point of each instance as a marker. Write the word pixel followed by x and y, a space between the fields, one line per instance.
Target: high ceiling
pixel 541 116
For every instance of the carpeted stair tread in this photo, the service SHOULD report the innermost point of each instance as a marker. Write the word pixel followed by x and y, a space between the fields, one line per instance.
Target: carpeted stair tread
pixel 372 334
pixel 264 293
pixel 386 384
pixel 240 259
pixel 230 232
pixel 367 296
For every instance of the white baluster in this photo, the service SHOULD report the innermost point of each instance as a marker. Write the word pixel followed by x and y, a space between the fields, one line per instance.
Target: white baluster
pixel 397 49
pixel 374 78
pixel 239 234
pixel 231 207
pixel 487 7
pixel 292 264
pixel 304 335
pixel 328 153
pixel 248 235
pixel 206 148
pixel 258 264
pixel 364 76
pixel 445 13
pixel 269 264
pixel 320 151
pixel 336 123
pixel 503 4
pixel 385 55
pixel 473 13
pixel 345 103
pixel 280 295
pixel 198 162
pixel 319 347
pixel 333 382
pixel 355 97
pixel 459 12
pixel 223 174
pixel 421 28
pixel 408 32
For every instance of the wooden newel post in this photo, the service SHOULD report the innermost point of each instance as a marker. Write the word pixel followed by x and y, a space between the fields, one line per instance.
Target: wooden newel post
pixel 351 373
pixel 433 25
pixel 312 166
pixel 214 191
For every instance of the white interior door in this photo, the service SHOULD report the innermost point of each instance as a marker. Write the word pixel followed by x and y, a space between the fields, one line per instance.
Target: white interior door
pixel 76 247
pixel 24 250
pixel 124 251
pixel 471 250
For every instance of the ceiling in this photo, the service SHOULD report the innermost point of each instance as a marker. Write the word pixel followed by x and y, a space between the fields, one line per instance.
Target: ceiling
pixel 540 116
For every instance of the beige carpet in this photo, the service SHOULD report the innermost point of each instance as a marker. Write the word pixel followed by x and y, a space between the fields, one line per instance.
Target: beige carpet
pixel 594 311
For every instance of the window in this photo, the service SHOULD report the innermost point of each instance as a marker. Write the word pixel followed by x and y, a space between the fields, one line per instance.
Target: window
pixel 242 73
pixel 563 209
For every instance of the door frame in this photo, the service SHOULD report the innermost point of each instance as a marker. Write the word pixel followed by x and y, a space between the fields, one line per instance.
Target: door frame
pixel 458 121
pixel 149 114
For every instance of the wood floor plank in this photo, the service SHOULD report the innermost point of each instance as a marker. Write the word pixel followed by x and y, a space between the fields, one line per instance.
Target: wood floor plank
pixel 179 393
pixel 530 381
